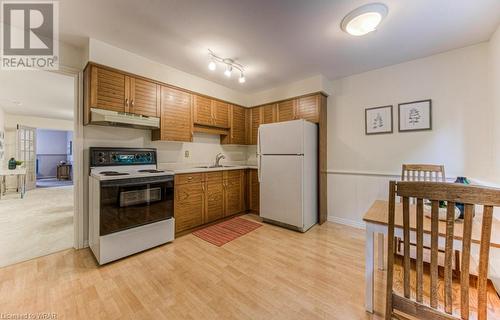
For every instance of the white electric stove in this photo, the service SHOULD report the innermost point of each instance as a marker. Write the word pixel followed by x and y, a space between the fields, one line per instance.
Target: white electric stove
pixel 130 202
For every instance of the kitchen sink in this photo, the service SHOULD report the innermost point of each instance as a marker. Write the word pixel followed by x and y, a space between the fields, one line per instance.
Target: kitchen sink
pixel 213 167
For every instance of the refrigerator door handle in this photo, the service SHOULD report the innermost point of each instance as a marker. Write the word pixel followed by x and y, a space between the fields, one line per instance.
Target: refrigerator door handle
pixel 259 155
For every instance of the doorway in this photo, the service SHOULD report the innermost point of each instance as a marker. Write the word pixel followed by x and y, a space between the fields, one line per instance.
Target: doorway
pixel 54 158
pixel 39 122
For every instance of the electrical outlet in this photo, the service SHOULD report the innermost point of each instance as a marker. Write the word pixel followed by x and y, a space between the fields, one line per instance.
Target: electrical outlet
pixel 186 154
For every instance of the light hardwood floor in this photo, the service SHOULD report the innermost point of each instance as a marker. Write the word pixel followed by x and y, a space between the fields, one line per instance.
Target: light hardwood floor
pixel 270 273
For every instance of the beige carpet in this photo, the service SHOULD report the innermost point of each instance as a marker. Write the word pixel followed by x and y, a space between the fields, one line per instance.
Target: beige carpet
pixel 37 225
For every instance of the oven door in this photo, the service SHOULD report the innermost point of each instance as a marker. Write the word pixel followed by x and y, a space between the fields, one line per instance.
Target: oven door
pixel 129 203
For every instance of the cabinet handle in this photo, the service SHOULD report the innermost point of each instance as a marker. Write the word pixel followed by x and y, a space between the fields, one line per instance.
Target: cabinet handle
pixel 132 102
pixel 126 102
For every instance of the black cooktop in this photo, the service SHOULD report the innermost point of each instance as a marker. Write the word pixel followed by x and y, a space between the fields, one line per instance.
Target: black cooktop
pixel 150 171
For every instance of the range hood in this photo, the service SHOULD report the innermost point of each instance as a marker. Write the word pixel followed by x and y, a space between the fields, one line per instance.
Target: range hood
pixel 122 119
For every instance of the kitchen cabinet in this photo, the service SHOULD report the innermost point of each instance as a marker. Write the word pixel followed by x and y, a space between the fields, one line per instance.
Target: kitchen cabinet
pixel 286 110
pixel 269 113
pixel 202 109
pixel 253 190
pixel 176 123
pixel 144 97
pixel 189 205
pixel 308 108
pixel 210 112
pixel 234 189
pixel 238 126
pixel 201 198
pixel 221 113
pixel 113 90
pixel 214 196
pixel 255 121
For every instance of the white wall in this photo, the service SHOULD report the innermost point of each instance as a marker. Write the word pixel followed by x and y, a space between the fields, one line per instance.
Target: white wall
pixel 2 139
pixel 51 148
pixel 495 90
pixel 360 166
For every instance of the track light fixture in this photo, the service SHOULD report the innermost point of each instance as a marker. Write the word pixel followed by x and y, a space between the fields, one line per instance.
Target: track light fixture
pixel 230 64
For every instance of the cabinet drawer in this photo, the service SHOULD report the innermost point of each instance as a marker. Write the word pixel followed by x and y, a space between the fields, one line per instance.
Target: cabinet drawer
pixel 188 178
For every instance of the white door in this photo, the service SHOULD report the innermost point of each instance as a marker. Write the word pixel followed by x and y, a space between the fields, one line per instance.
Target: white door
pixel 26 144
pixel 281 182
pixel 281 138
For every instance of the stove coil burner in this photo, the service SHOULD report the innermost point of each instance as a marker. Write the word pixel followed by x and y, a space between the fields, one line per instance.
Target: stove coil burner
pixel 151 171
pixel 113 173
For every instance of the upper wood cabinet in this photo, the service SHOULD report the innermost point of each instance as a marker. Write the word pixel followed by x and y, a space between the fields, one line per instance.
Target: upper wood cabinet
pixel 308 108
pixel 238 123
pixel 221 114
pixel 144 97
pixel 176 122
pixel 286 110
pixel 202 109
pixel 269 113
pixel 210 112
pixel 117 91
pixel 255 121
pixel 105 89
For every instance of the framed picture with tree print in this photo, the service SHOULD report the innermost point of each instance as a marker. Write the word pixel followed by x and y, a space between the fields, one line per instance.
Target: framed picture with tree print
pixel 415 116
pixel 378 120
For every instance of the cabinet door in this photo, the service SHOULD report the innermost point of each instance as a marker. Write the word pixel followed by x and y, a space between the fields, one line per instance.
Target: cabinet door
pixel 286 110
pixel 255 121
pixel 144 97
pixel 253 186
pixel 221 114
pixel 214 196
pixel 108 90
pixel 268 113
pixel 234 196
pixel 189 206
pixel 238 132
pixel 308 108
pixel 203 111
pixel 176 121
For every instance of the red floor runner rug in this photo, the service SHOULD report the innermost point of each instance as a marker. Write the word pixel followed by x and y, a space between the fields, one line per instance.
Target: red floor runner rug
pixel 226 231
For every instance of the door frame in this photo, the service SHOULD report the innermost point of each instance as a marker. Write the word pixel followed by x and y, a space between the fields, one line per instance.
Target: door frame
pixel 78 188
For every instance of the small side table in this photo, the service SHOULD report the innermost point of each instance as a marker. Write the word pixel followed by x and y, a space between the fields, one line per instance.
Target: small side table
pixel 20 172
pixel 64 172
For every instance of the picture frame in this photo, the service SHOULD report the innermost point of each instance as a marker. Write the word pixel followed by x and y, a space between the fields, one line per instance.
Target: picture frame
pixel 415 116
pixel 378 120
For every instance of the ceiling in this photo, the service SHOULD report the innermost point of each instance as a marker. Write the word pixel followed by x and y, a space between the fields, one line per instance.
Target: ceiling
pixel 278 41
pixel 37 94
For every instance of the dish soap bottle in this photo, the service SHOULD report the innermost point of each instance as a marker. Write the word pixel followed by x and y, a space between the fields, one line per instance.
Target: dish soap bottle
pixel 12 164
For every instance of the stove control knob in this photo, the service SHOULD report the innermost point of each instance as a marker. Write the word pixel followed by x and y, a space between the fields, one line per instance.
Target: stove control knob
pixel 101 160
pixel 100 154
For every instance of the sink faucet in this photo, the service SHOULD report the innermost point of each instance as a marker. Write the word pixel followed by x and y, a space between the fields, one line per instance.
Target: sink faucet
pixel 218 158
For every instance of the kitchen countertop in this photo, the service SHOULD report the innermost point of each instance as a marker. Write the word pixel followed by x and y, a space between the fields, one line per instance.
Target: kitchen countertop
pixel 185 168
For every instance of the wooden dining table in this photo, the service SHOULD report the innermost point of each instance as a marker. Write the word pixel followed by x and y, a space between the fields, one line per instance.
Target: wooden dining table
pixel 376 220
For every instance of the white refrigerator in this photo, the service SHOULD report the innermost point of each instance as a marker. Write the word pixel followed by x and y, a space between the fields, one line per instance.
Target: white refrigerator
pixel 288 173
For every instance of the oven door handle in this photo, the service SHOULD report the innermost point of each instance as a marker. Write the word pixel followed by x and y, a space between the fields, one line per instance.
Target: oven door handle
pixel 134 182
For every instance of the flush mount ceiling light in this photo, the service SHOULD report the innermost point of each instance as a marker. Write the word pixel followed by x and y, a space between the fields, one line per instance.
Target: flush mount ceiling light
pixel 364 19
pixel 229 64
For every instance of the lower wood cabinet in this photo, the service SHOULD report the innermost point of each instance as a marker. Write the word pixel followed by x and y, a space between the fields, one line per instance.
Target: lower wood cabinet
pixel 202 198
pixel 215 196
pixel 189 205
pixel 253 190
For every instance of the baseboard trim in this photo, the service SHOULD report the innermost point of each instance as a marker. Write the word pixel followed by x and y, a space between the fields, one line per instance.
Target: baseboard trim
pixel 347 222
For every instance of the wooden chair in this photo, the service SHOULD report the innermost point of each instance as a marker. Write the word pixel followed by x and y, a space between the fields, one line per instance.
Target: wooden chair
pixel 452 193
pixel 423 172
